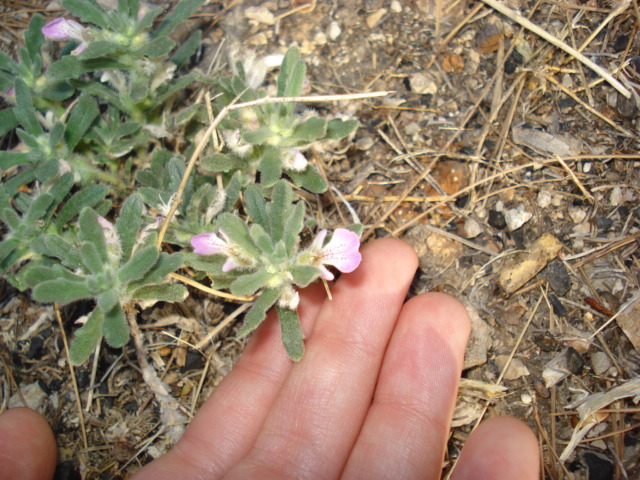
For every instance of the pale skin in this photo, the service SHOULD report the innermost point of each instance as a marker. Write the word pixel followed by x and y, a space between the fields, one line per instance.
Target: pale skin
pixel 372 397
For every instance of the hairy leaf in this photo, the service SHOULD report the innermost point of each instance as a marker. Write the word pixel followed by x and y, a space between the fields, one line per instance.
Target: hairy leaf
pixel 258 312
pixel 292 334
pixel 138 265
pixel 128 224
pixel 115 328
pixel 250 283
pixel 61 290
pixel 162 292
pixel 86 338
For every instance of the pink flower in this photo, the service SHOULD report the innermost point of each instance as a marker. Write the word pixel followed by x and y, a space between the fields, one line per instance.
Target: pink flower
pixel 341 252
pixel 62 30
pixel 211 244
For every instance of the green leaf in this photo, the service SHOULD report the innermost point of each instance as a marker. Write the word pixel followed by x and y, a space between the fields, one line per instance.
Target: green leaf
pixel 293 227
pixel 107 300
pixel 222 162
pixel 295 80
pixel 292 334
pixel 58 247
pixel 289 61
pixel 35 274
pixel 270 167
pixel 39 209
pixel 8 120
pixel 139 264
pixel 88 11
pixel 256 207
pixel 128 224
pixel 60 290
pixel 156 48
pixel 238 232
pixel 311 130
pixel 65 68
pixel 7 247
pixel 172 88
pixel 24 110
pixel 61 188
pixel 303 275
pixel 187 49
pixel 165 264
pixel 91 258
pixel 87 197
pixel 258 136
pixel 309 179
pixel 102 91
pixel 258 312
pixel 181 12
pixel 337 129
pixel 34 39
pixel 99 48
pixel 147 21
pixel 86 338
pixel 261 238
pixel 81 118
pixel 92 232
pixel 250 283
pixel 356 228
pixel 162 293
pixel 278 208
pixel 115 328
pixel 11 159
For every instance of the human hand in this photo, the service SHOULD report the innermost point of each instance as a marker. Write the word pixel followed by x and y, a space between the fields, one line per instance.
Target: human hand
pixel 372 397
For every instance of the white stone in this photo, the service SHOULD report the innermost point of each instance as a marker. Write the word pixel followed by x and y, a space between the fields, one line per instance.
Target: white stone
pixel 396 6
pixel 516 218
pixel 364 143
pixel 544 198
pixel 600 362
pixel 471 228
pixel 423 84
pixel 334 30
pixel 577 214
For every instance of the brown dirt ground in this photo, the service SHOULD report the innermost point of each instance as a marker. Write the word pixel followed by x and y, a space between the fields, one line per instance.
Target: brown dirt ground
pixel 511 168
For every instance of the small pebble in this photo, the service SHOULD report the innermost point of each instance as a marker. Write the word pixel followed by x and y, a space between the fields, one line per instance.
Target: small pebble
pixel 396 6
pixel 471 228
pixel 600 362
pixel 516 218
pixel 334 30
pixel 422 84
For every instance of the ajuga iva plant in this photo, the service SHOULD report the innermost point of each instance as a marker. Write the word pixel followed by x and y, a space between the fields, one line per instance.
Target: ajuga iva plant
pixel 100 114
pixel 112 264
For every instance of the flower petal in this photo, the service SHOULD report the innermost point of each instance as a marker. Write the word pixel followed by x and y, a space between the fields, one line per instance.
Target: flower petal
pixel 62 29
pixel 208 244
pixel 342 251
pixel 325 273
pixel 228 265
pixel 317 243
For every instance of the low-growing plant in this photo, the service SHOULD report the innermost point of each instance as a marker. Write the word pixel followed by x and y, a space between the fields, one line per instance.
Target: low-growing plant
pixel 103 119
